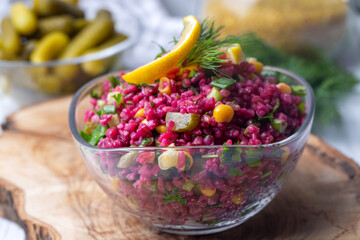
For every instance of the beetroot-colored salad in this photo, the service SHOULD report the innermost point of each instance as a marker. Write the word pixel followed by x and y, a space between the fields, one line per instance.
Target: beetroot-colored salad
pixel 184 114
pixel 195 106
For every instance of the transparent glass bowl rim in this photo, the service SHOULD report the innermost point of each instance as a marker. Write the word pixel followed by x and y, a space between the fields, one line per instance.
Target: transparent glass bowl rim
pixel 308 120
pixel 105 53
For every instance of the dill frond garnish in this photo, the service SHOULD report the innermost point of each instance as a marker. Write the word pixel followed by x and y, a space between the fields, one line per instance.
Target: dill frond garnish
pixel 209 48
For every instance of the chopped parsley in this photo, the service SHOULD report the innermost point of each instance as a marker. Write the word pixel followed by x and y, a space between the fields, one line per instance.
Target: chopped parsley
pixel 145 141
pixel 114 81
pixel 96 93
pixel 118 98
pixel 94 137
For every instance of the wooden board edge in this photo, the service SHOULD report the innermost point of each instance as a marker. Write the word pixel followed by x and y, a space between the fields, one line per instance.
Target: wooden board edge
pixel 12 207
pixel 333 156
pixel 8 125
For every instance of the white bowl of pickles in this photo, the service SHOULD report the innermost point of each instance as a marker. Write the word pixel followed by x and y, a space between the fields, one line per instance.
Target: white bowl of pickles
pixel 55 46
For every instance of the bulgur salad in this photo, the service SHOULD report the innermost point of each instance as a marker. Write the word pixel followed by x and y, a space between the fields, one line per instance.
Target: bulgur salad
pixel 212 96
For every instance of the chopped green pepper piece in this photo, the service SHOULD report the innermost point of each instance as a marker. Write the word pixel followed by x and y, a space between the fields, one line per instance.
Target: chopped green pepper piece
pixel 255 164
pixel 252 157
pixel 192 73
pixel 301 107
pixel 279 125
pixel 298 90
pixel 109 109
pixel 223 83
pixel 215 93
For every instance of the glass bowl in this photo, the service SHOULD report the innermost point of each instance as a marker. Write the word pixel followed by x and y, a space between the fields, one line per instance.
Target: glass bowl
pixel 222 186
pixel 66 76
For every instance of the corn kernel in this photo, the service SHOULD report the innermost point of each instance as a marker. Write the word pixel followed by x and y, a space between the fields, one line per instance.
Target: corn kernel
pixel 140 113
pixel 237 199
pixel 284 87
pixel 235 53
pixel 164 86
pixel 208 191
pixel 161 129
pixel 285 155
pixel 258 65
pixel 223 113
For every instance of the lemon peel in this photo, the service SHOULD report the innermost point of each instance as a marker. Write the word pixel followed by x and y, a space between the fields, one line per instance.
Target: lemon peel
pixel 152 71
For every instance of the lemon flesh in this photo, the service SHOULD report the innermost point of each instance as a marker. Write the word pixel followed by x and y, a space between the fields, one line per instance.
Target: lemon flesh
pixel 152 71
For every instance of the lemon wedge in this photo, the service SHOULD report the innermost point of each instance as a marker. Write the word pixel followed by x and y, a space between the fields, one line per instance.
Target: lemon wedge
pixel 160 66
pixel 235 53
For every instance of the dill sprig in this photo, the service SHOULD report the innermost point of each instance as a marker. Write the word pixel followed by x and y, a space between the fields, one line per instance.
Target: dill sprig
pixel 209 48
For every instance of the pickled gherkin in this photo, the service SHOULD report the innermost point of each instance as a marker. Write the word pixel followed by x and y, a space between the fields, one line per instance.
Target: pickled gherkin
pixel 117 38
pixel 183 122
pixel 62 23
pixel 50 84
pixel 103 13
pixel 71 1
pixel 28 49
pixel 97 67
pixel 10 38
pixel 95 33
pixel 23 19
pixel 7 56
pixel 57 30
pixel 79 24
pixel 49 47
pixel 45 8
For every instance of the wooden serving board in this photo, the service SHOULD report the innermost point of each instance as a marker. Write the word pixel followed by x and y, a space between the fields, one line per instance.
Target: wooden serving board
pixel 45 187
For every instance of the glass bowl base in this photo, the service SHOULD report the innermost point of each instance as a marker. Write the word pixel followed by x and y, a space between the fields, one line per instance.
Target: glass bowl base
pixel 220 227
pixel 179 229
